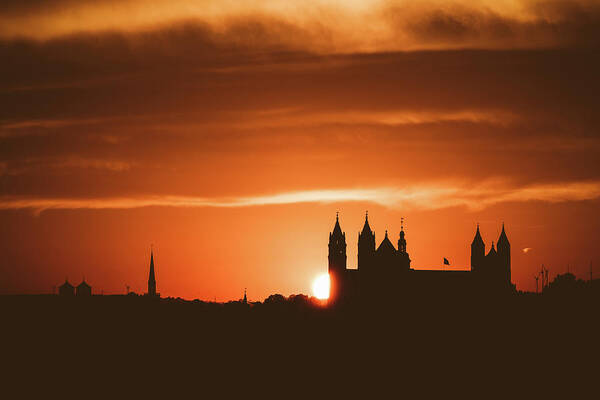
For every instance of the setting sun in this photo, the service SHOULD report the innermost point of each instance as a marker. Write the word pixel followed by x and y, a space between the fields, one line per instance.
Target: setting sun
pixel 321 287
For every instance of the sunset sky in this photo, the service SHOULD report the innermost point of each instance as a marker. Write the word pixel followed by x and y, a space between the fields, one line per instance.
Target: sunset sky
pixel 228 134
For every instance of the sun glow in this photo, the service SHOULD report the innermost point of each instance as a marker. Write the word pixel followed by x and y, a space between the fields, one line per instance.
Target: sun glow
pixel 321 287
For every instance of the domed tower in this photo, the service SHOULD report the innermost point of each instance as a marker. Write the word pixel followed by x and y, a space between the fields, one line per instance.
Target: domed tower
pixel 504 254
pixel 402 240
pixel 403 258
pixel 477 251
pixel 337 260
pixel 366 246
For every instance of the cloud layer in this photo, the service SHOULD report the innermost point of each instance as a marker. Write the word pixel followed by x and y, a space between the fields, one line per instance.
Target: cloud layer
pixel 324 25
pixel 435 197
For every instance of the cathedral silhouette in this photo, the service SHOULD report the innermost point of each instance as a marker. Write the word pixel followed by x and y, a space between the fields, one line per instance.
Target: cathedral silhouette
pixel 384 272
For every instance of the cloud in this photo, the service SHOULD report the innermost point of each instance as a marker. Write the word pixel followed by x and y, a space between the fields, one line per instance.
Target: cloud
pixel 426 197
pixel 69 163
pixel 324 25
pixel 527 250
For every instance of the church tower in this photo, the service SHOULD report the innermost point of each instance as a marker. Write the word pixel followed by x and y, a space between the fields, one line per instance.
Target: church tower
pixel 402 240
pixel 337 260
pixel 403 257
pixel 504 255
pixel 477 251
pixel 366 247
pixel 151 277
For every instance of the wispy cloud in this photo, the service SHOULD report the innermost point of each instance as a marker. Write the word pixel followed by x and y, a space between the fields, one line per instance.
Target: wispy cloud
pixel 426 197
pixel 325 25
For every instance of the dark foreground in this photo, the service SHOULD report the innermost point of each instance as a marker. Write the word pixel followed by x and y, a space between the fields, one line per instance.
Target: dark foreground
pixel 130 346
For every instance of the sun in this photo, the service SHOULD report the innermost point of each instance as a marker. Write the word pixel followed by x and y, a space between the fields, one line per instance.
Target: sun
pixel 321 287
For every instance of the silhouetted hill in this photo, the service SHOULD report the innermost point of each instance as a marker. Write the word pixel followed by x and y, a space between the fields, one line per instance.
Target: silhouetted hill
pixel 289 346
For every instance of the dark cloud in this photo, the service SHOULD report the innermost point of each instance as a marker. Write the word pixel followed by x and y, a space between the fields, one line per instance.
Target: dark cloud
pixel 172 102
pixel 542 24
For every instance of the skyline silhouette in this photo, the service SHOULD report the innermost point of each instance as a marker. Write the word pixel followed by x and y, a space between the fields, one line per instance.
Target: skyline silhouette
pixel 385 268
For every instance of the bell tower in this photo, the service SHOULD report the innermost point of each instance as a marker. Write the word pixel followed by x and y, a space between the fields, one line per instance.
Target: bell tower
pixel 504 254
pixel 337 260
pixel 477 251
pixel 366 246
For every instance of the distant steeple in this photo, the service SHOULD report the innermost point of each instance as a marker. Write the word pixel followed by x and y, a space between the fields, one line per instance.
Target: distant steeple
pixel 151 276
pixel 245 300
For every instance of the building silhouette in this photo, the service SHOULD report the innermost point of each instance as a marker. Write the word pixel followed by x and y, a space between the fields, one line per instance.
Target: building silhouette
pixel 495 265
pixel 66 289
pixel 152 277
pixel 83 289
pixel 385 271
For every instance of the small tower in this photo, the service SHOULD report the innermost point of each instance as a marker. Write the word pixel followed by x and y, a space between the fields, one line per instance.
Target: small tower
pixel 366 246
pixel 504 255
pixel 66 289
pixel 337 247
pixel 151 276
pixel 403 257
pixel 337 260
pixel 245 299
pixel 477 251
pixel 83 289
pixel 402 240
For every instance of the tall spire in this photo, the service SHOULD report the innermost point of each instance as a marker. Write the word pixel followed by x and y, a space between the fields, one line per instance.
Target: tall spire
pixel 151 275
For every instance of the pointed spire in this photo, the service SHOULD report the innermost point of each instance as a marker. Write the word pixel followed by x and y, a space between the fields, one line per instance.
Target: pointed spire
pixel 503 239
pixel 151 275
pixel 337 229
pixel 245 300
pixel 492 250
pixel 386 245
pixel 366 227
pixel 477 240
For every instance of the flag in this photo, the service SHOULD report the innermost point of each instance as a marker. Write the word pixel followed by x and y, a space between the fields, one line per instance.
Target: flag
pixel 446 262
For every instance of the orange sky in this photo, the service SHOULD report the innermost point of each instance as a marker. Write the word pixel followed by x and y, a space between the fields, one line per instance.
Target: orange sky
pixel 229 136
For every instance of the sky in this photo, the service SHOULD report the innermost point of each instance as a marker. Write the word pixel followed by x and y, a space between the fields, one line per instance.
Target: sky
pixel 227 135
